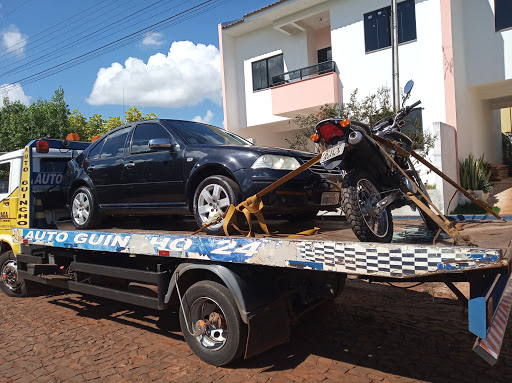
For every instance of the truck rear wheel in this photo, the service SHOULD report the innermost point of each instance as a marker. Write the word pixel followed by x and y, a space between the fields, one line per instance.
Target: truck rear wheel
pixel 10 283
pixel 213 328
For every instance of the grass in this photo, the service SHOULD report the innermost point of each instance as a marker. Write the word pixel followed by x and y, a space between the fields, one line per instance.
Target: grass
pixel 471 208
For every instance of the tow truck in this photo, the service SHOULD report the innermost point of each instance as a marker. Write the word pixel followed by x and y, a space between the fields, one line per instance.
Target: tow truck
pixel 235 296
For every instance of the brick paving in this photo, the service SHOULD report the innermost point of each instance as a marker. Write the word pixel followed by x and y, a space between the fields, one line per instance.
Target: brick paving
pixel 371 333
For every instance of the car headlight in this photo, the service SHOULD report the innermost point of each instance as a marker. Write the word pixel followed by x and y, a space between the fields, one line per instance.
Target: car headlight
pixel 276 162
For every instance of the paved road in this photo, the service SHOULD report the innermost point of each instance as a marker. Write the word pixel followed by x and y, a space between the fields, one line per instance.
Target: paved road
pixel 371 333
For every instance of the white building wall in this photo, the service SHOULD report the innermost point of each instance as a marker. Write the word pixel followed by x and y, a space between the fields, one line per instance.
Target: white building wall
pixel 420 60
pixel 258 45
pixel 481 56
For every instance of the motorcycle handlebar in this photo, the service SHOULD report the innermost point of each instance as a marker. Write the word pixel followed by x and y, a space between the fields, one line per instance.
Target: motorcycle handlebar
pixel 411 107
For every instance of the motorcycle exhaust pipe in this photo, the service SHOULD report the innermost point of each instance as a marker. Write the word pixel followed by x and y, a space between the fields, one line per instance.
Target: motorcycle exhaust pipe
pixel 354 138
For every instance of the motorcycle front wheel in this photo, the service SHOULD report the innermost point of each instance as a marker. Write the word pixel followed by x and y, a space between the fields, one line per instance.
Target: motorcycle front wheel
pixel 359 197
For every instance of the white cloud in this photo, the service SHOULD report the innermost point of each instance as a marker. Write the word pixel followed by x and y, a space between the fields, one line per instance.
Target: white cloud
pixel 14 94
pixel 153 39
pixel 206 119
pixel 13 40
pixel 186 76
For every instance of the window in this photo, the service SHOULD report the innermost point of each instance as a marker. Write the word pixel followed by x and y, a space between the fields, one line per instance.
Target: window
pixel 502 14
pixel 94 153
pixel 144 133
pixel 264 70
pixel 200 134
pixel 4 177
pixel 114 144
pixel 324 55
pixel 377 26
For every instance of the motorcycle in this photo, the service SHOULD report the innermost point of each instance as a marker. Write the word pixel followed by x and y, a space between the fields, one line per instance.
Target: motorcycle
pixel 372 184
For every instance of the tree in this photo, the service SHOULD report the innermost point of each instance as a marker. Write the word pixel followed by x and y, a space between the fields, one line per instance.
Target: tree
pixel 78 124
pixel 133 114
pixel 113 122
pixel 96 126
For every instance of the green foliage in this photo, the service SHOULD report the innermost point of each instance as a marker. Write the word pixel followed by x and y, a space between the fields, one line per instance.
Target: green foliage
pixel 471 208
pixel 20 124
pixel 133 114
pixel 475 174
pixel 369 110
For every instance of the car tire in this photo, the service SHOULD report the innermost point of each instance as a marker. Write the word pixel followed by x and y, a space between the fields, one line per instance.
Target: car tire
pixel 84 210
pixel 214 194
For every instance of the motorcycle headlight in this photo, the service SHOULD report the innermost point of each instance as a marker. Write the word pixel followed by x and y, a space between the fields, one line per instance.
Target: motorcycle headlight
pixel 276 162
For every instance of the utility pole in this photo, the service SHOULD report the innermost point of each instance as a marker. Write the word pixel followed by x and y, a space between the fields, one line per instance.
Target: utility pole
pixel 394 45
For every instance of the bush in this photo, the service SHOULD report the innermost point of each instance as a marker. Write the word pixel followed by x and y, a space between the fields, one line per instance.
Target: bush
pixel 475 174
pixel 471 208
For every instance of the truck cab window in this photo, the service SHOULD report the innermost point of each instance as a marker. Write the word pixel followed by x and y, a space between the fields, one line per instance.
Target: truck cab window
pixel 4 177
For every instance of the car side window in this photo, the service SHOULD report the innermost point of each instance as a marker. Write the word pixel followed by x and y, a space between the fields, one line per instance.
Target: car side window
pixel 114 144
pixel 95 152
pixel 145 132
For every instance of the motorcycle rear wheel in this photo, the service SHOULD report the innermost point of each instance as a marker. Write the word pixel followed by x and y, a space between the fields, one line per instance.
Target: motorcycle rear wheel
pixel 359 195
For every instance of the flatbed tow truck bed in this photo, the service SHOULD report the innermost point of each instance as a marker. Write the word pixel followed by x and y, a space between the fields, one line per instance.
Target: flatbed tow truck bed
pixel 239 296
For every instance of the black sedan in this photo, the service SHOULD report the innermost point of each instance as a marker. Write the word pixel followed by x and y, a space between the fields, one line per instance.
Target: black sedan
pixel 171 167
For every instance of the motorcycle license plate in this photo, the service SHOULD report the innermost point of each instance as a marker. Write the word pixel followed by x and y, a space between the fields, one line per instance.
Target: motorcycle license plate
pixel 330 198
pixel 332 152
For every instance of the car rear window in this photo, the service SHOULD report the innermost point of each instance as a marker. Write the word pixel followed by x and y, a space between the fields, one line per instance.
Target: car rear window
pixel 200 134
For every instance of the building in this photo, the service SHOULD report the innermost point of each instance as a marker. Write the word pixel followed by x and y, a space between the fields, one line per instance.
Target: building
pixel 293 56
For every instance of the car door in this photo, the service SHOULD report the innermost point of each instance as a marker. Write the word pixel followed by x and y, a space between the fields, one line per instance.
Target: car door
pixel 154 176
pixel 105 168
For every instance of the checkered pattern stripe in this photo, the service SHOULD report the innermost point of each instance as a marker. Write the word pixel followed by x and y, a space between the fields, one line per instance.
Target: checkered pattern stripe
pixel 492 344
pixel 382 259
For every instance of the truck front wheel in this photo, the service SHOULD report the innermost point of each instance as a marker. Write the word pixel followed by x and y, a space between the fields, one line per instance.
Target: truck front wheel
pixel 212 328
pixel 10 283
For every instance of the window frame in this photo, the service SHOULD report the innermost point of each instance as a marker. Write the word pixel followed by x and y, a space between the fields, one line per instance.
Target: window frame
pixel 268 77
pixel 388 10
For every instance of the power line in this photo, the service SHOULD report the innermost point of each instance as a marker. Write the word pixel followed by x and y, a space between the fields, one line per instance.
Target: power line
pixel 30 40
pixel 19 6
pixel 170 21
pixel 73 44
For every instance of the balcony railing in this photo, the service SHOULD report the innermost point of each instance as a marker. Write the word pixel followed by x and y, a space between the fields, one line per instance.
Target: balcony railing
pixel 304 73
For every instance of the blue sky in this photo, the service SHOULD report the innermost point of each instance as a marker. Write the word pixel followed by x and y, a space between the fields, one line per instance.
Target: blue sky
pixel 173 72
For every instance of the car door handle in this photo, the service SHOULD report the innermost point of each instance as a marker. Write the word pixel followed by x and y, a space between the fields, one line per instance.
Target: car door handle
pixel 130 164
pixel 90 168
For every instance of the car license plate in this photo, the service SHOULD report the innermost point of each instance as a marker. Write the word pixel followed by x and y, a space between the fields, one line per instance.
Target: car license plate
pixel 332 152
pixel 330 198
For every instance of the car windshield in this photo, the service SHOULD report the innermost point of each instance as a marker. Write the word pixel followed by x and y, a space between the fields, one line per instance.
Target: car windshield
pixel 201 134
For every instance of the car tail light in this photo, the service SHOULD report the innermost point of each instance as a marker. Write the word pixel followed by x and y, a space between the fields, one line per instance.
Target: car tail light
pixel 95 138
pixel 42 146
pixel 329 131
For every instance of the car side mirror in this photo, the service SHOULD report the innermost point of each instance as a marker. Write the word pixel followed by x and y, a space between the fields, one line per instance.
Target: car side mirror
pixel 163 143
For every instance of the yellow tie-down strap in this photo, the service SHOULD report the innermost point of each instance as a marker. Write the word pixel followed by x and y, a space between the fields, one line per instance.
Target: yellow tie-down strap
pixel 253 205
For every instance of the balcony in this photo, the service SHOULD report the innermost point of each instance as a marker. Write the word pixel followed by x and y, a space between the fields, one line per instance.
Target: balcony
pixel 305 90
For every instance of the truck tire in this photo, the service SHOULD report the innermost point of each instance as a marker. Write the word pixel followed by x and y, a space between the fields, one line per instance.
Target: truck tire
pixel 358 197
pixel 213 195
pixel 10 283
pixel 223 341
pixel 84 210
